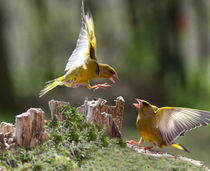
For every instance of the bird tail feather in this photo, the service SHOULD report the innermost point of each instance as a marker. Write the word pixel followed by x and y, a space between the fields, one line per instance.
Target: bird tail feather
pixel 179 146
pixel 51 85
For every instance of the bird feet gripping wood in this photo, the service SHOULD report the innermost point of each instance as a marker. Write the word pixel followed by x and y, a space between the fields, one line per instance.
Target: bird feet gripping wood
pixel 103 86
pixel 133 142
pixel 139 143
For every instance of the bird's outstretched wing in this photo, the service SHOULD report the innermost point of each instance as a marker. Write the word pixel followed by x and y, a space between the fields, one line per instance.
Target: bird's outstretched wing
pixel 86 43
pixel 92 37
pixel 174 121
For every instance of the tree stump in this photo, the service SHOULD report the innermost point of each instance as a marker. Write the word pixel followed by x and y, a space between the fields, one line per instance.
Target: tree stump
pixel 29 128
pixel 53 105
pixel 7 136
pixel 97 111
pixel 29 132
pixel 7 127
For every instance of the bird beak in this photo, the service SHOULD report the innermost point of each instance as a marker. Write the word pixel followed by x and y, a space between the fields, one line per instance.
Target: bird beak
pixel 116 76
pixel 112 78
pixel 139 104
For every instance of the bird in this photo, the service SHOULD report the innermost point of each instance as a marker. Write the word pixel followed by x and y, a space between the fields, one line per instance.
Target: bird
pixel 161 126
pixel 82 64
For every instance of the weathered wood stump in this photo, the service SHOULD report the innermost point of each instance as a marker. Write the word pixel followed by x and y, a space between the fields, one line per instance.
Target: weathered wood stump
pixel 29 132
pixel 7 136
pixel 29 128
pixel 53 105
pixel 7 127
pixel 97 111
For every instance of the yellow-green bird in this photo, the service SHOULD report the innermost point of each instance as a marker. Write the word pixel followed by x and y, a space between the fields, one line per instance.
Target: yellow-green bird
pixel 82 64
pixel 161 126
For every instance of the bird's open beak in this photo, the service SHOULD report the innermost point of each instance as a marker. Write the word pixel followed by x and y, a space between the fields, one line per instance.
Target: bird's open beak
pixel 139 104
pixel 112 78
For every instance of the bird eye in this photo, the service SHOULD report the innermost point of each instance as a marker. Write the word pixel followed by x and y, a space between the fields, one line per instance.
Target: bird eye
pixel 112 72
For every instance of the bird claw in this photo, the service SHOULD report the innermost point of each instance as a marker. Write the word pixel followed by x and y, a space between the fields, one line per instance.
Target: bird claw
pixel 103 86
pixel 146 148
pixel 137 143
pixel 133 142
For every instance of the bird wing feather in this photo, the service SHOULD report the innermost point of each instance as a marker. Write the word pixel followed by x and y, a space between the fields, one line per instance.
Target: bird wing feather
pixel 91 31
pixel 174 121
pixel 84 48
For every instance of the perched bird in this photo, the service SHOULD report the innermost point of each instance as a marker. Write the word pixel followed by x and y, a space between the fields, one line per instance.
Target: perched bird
pixel 161 126
pixel 82 64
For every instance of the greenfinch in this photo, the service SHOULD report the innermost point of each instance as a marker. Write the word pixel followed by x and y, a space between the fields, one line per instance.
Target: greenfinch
pixel 82 64
pixel 161 126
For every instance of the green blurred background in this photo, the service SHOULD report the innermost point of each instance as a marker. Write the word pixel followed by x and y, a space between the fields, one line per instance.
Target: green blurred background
pixel 160 49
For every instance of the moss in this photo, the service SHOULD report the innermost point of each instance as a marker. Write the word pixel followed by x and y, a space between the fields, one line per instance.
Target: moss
pixel 76 144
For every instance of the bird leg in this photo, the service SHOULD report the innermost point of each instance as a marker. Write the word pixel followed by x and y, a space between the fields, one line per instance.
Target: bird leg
pixel 103 86
pixel 147 148
pixel 135 142
pixel 139 143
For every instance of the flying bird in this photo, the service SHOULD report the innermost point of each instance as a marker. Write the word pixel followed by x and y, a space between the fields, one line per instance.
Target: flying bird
pixel 82 64
pixel 161 126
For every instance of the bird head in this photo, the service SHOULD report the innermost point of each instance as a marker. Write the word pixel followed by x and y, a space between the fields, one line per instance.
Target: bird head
pixel 144 107
pixel 107 71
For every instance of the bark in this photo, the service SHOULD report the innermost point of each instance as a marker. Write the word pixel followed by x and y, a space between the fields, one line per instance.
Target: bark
pixel 97 111
pixel 7 136
pixel 53 105
pixel 29 131
pixel 29 128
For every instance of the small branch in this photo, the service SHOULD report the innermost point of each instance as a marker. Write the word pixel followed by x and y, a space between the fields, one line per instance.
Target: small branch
pixel 159 154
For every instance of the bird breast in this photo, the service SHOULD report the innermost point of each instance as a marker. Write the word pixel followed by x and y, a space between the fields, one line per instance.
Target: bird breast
pixel 148 131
